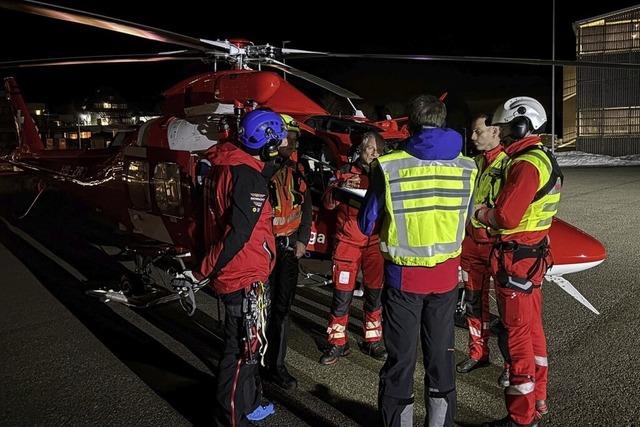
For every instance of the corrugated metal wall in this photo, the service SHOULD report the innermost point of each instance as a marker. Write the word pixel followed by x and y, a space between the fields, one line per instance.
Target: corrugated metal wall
pixel 608 100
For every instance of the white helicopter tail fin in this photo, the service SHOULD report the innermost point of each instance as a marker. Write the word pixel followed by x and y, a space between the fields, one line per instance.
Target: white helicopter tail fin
pixel 566 286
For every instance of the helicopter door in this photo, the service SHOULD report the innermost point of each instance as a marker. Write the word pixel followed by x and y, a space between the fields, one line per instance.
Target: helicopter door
pixel 153 179
pixel 136 178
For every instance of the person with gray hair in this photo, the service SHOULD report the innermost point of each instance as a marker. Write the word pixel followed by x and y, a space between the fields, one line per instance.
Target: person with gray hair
pixel 421 195
pixel 354 251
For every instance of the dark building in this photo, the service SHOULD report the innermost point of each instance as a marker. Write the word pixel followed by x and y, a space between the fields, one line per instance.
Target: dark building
pixel 606 100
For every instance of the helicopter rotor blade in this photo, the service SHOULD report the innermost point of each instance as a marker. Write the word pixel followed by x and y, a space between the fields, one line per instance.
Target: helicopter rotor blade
pixel 287 51
pixel 108 23
pixel 104 59
pixel 300 53
pixel 482 59
pixel 225 45
pixel 311 78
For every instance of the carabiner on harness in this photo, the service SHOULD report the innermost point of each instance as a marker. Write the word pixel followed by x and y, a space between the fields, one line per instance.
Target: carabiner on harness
pixel 255 306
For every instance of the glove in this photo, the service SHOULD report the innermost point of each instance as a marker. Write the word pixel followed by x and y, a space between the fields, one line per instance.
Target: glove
pixel 186 284
pixel 194 276
pixel 187 280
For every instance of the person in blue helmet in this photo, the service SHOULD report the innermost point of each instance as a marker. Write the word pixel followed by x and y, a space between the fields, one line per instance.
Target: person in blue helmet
pixel 292 206
pixel 240 254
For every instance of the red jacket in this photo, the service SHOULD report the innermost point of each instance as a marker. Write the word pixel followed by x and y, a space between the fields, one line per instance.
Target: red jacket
pixel 517 194
pixel 347 229
pixel 238 221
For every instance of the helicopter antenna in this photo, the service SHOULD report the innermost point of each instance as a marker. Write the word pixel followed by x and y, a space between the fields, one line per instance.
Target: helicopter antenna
pixel 356 112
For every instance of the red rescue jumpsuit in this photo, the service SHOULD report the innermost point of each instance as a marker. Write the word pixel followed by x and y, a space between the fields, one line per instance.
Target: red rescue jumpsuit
pixel 521 312
pixel 353 250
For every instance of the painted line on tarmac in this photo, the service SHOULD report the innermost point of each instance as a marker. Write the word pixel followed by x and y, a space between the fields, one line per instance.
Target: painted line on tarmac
pixel 172 344
pixel 43 250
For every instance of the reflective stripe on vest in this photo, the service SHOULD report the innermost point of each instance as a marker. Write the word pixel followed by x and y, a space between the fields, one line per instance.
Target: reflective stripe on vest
pixel 488 183
pixel 540 213
pixel 287 206
pixel 426 203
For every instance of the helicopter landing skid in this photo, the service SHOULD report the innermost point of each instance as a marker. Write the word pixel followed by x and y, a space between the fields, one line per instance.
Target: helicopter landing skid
pixel 308 278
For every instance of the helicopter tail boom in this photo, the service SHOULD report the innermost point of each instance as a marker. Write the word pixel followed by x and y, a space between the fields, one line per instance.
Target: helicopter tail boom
pixel 28 135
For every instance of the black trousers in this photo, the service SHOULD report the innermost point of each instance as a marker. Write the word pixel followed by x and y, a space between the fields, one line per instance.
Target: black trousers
pixel 283 282
pixel 233 372
pixel 405 316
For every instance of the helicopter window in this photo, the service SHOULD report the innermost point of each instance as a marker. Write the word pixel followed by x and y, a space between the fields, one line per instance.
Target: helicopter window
pixel 137 178
pixel 166 183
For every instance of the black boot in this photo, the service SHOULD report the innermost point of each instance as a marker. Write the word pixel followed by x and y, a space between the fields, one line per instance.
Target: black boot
pixel 470 364
pixel 331 354
pixel 503 379
pixel 508 422
pixel 374 349
pixel 281 377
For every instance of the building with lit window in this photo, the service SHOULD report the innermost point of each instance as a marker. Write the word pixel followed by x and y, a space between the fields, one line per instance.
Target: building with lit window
pixel 606 101
pixel 106 108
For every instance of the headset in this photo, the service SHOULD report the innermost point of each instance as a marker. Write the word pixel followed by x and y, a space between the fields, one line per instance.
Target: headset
pixel 520 125
pixel 269 151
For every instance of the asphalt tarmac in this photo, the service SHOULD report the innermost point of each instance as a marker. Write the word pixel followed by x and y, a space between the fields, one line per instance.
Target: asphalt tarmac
pixel 67 358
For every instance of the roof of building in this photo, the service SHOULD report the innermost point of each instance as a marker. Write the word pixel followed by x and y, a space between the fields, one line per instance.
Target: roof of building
pixel 607 15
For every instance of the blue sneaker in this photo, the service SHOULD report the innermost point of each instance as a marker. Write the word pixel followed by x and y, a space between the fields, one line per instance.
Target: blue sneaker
pixel 262 412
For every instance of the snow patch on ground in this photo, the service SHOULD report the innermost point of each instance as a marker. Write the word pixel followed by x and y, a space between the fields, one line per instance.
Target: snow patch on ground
pixel 580 158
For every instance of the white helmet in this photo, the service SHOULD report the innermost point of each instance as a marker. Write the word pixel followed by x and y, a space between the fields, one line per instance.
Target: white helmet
pixel 518 107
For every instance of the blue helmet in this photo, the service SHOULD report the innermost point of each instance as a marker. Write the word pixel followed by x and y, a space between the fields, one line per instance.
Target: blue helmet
pixel 259 128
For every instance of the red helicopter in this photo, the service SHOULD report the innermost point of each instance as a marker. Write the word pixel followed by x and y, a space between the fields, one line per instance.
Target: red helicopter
pixel 147 181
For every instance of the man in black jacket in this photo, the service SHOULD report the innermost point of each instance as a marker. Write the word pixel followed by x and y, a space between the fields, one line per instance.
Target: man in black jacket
pixel 291 200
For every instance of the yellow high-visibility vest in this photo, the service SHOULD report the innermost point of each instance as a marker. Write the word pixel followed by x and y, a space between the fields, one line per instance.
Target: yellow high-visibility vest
pixel 488 183
pixel 540 213
pixel 426 204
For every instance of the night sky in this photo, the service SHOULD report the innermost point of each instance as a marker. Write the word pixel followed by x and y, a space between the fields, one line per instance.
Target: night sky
pixel 517 29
